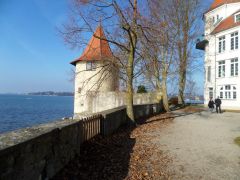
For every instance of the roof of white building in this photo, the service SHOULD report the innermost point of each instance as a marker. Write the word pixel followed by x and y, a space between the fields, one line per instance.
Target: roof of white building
pixel 218 3
pixel 227 23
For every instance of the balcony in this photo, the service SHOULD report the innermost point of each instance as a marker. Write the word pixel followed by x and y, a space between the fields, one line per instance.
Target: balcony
pixel 201 43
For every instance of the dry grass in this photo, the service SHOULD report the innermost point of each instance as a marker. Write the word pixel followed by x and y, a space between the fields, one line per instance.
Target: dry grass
pixel 192 109
pixel 234 111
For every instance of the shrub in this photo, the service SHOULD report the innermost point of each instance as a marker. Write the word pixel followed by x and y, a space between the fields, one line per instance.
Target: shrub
pixel 173 101
pixel 141 89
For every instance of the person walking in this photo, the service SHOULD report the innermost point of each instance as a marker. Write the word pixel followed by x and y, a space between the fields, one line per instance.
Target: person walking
pixel 218 103
pixel 211 104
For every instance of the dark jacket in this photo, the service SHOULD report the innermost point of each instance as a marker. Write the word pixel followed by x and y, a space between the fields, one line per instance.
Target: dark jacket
pixel 218 102
pixel 211 104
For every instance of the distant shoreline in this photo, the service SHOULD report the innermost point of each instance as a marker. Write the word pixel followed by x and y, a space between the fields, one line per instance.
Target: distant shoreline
pixel 50 93
pixel 47 95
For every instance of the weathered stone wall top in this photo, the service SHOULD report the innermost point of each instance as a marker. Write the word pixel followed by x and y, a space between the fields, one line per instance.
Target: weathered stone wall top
pixel 19 136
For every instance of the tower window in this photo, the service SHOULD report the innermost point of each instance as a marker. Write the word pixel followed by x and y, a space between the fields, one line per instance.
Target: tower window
pixel 79 90
pixel 91 66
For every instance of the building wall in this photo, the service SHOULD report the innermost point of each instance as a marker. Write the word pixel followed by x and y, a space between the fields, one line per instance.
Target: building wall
pixel 212 57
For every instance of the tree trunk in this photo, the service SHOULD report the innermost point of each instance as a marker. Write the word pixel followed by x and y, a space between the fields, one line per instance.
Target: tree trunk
pixel 181 86
pixel 156 76
pixel 164 90
pixel 133 42
pixel 183 56
pixel 129 96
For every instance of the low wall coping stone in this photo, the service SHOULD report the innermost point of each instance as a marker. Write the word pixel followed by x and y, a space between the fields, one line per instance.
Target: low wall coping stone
pixel 12 138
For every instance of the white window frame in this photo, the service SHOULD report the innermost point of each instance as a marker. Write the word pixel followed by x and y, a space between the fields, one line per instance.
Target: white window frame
pixel 228 92
pixel 221 69
pixel 234 67
pixel 221 44
pixel 234 92
pixel 234 40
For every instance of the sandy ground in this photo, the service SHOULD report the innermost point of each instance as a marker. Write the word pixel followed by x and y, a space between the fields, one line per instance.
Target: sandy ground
pixel 201 146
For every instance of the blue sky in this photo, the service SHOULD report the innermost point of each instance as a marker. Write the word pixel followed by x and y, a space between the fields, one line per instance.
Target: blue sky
pixel 33 56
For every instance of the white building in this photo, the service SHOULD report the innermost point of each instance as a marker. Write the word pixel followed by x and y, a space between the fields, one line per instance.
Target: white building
pixel 222 53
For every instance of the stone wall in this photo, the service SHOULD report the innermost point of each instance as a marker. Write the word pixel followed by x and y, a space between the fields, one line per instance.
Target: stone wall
pixel 40 152
pixel 102 101
pixel 113 119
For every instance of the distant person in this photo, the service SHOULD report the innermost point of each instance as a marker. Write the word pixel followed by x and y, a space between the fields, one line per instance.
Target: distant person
pixel 218 103
pixel 211 104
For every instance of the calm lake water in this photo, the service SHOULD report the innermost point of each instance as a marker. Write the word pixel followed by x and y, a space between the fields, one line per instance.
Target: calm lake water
pixel 19 111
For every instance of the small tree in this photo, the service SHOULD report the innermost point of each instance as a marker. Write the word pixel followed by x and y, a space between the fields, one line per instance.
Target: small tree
pixel 141 89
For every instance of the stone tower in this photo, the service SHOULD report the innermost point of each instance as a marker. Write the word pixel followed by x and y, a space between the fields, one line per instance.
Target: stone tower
pixel 95 72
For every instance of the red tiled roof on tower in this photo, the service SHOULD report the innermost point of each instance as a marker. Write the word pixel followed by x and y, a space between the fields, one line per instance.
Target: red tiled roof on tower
pixel 227 23
pixel 97 49
pixel 217 3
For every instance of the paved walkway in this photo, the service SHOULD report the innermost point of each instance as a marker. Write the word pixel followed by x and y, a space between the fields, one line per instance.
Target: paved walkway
pixel 202 146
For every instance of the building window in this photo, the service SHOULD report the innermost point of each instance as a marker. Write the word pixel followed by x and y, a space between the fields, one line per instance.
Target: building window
pixel 210 93
pixel 234 67
pixel 221 69
pixel 237 18
pixel 234 92
pixel 234 41
pixel 221 92
pixel 228 92
pixel 222 44
pixel 209 73
pixel 91 66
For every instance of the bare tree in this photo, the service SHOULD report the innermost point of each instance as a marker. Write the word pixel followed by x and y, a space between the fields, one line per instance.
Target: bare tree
pixel 185 21
pixel 121 20
pixel 159 50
